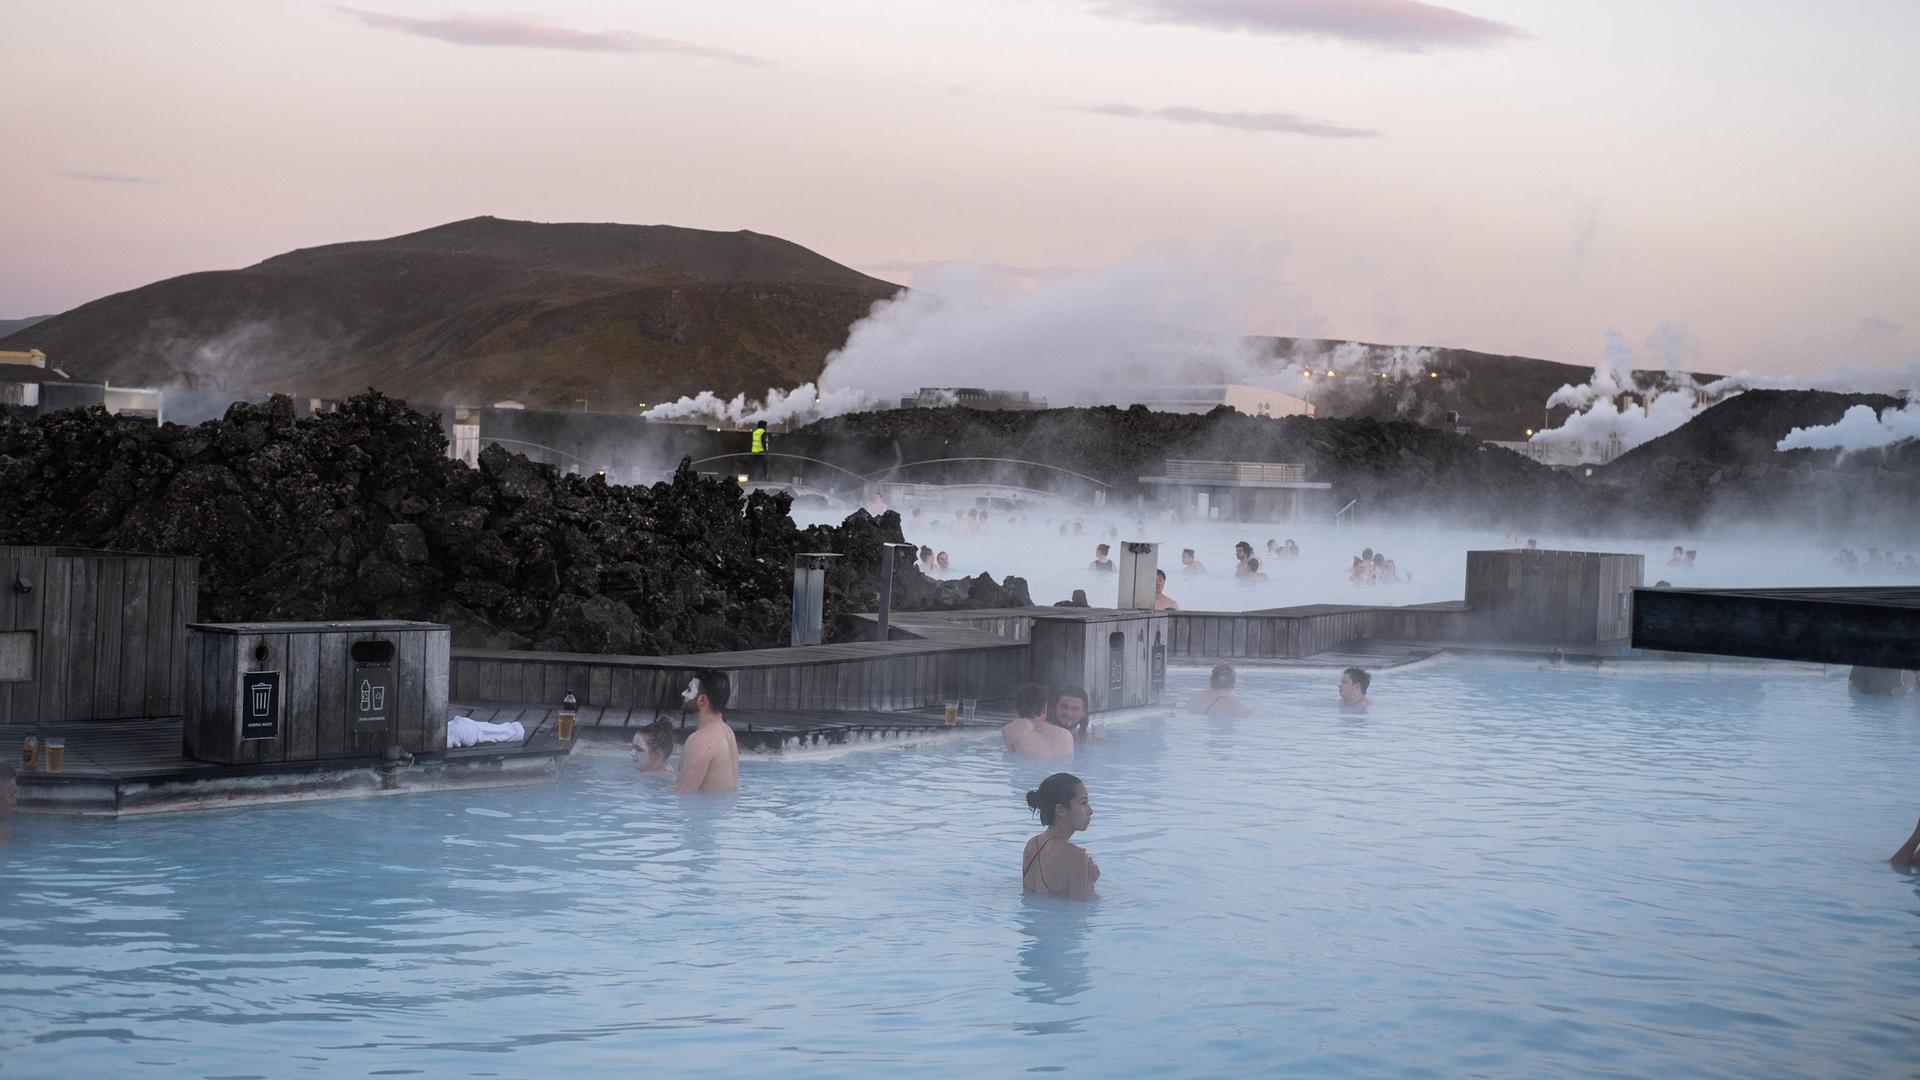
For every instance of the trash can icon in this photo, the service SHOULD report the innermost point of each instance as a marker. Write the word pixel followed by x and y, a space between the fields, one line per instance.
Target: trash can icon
pixel 262 698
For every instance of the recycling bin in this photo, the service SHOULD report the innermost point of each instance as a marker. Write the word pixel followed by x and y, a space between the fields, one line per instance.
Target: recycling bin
pixel 278 692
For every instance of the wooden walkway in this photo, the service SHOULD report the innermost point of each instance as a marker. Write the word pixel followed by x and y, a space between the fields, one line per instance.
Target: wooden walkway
pixel 115 767
pixel 754 729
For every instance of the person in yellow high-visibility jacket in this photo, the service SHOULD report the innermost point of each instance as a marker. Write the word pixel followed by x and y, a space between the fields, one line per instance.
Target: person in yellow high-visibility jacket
pixel 760 450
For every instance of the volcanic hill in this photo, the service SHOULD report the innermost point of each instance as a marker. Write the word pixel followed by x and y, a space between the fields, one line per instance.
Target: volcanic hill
pixel 479 311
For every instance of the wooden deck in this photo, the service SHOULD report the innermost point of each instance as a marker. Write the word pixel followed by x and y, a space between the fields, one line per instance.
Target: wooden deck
pixel 138 766
pixel 869 676
pixel 1866 627
pixel 754 729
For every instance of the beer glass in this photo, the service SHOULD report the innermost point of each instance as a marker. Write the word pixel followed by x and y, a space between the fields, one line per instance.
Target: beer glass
pixel 29 750
pixel 56 754
pixel 953 713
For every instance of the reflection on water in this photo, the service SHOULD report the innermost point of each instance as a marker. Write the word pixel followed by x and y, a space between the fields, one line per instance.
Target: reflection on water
pixel 1053 967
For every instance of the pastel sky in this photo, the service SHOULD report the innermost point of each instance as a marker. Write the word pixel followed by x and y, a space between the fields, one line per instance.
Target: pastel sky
pixel 1734 178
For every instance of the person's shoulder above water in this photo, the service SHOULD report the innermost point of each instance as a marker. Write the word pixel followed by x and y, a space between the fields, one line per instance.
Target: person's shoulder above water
pixel 1353 688
pixel 711 759
pixel 1218 699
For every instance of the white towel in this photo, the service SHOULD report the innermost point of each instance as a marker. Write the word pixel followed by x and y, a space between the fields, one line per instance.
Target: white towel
pixel 466 731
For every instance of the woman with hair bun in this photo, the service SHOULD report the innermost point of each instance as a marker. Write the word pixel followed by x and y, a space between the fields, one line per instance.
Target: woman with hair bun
pixel 1053 864
pixel 652 746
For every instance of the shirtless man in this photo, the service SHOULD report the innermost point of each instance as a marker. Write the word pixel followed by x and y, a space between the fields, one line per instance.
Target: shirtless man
pixel 1353 688
pixel 1161 601
pixel 1031 733
pixel 711 759
pixel 1217 699
pixel 1190 564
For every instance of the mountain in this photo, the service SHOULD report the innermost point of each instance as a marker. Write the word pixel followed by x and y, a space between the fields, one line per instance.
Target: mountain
pixel 9 326
pixel 1744 429
pixel 482 310
pixel 1495 396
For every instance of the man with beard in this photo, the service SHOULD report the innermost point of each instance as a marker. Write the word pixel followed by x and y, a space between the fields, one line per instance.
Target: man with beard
pixel 711 759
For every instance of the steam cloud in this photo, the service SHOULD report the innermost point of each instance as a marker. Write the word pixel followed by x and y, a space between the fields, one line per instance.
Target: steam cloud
pixel 1085 337
pixel 1858 429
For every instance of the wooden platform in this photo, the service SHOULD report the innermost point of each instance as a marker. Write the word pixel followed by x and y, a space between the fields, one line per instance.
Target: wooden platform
pixel 758 730
pixel 875 676
pixel 137 766
pixel 1871 626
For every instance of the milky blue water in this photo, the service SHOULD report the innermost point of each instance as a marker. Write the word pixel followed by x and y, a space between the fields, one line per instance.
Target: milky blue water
pixel 1497 871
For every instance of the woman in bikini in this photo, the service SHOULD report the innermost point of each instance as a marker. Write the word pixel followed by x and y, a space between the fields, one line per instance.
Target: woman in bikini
pixel 1053 864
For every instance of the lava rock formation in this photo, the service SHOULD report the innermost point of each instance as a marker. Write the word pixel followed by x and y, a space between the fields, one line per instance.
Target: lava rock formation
pixel 359 513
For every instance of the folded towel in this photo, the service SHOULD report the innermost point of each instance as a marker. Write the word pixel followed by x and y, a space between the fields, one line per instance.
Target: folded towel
pixel 466 731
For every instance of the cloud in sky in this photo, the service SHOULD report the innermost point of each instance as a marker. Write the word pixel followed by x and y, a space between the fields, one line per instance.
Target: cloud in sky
pixel 534 32
pixel 92 177
pixel 1406 25
pixel 1277 122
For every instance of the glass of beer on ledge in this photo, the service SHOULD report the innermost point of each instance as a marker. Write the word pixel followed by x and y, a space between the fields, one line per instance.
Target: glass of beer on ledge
pixel 953 712
pixel 56 754
pixel 563 723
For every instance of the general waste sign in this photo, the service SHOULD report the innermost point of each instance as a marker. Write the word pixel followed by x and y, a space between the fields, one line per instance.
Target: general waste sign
pixel 260 705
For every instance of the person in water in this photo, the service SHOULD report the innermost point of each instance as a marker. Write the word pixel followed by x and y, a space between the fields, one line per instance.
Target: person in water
pixel 1353 688
pixel 1903 857
pixel 1031 733
pixel 1242 551
pixel 711 761
pixel 1217 699
pixel 653 746
pixel 1161 601
pixel 1070 711
pixel 1251 571
pixel 1190 564
pixel 1053 865
pixel 1100 559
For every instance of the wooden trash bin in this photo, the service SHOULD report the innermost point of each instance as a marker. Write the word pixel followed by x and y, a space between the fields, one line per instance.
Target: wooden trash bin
pixel 1118 657
pixel 275 692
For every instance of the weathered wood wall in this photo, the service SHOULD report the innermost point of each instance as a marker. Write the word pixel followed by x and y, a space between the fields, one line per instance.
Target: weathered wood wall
pixel 1559 597
pixel 1870 627
pixel 109 633
pixel 316 717
pixel 1077 649
pixel 1572 597
pixel 877 676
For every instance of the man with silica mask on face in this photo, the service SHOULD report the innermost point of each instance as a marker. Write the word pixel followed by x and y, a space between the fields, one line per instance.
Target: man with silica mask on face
pixel 711 759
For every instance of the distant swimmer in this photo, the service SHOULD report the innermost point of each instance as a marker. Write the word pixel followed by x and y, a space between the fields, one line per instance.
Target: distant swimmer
pixel 1217 699
pixel 653 746
pixel 1290 549
pixel 711 760
pixel 1903 857
pixel 1053 865
pixel 941 564
pixel 1031 733
pixel 1190 564
pixel 1242 551
pixel 1678 558
pixel 927 565
pixel 1253 573
pixel 1353 688
pixel 1100 560
pixel 1161 601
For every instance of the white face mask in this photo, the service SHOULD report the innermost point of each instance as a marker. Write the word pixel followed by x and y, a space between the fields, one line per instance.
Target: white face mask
pixel 692 691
